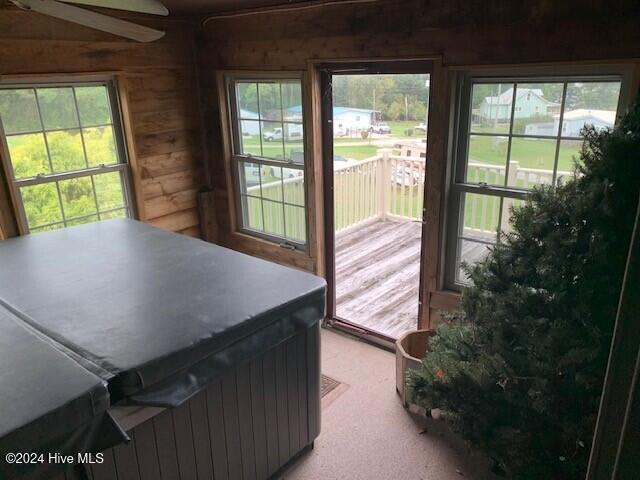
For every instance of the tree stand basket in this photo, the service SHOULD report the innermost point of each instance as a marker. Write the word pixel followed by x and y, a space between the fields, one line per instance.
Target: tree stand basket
pixel 410 350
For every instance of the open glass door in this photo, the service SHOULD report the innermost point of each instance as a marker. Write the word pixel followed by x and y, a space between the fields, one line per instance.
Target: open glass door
pixel 375 160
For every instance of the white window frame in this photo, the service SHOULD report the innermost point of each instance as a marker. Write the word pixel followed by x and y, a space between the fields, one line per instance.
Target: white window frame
pixel 235 126
pixel 123 167
pixel 462 112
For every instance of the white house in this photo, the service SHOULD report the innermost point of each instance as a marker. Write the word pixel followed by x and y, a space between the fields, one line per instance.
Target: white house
pixel 348 119
pixel 574 120
pixel 249 127
pixel 345 119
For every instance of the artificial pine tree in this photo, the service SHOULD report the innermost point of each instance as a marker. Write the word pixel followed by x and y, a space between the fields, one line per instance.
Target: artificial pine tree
pixel 519 370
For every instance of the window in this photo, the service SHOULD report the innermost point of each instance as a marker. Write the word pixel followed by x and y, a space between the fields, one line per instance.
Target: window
pixel 507 148
pixel 269 157
pixel 64 154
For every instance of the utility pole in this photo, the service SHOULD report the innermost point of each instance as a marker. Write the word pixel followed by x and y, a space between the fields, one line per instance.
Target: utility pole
pixel 406 109
pixel 374 105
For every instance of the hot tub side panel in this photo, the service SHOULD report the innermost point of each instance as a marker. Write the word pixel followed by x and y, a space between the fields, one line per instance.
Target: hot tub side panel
pixel 247 424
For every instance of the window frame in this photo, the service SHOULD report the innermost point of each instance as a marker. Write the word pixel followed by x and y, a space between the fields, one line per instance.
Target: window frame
pixel 462 112
pixel 235 155
pixel 123 166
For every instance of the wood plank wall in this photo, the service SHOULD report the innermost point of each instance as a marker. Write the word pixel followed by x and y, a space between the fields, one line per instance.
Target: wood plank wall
pixel 457 33
pixel 158 89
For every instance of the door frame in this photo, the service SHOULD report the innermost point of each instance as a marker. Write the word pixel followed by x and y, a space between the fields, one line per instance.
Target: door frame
pixel 366 67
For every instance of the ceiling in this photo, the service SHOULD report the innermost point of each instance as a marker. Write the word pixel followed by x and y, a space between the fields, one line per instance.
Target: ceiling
pixel 218 6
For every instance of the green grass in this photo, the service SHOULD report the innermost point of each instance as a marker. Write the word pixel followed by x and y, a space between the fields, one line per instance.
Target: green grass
pixel 530 153
pixel 359 152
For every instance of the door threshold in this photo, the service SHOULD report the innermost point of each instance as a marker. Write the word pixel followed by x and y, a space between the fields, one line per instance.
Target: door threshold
pixel 373 338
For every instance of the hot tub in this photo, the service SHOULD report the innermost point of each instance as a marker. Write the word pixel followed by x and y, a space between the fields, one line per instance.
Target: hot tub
pixel 210 357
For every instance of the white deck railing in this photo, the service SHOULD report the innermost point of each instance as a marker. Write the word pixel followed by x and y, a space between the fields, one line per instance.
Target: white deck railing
pixel 391 186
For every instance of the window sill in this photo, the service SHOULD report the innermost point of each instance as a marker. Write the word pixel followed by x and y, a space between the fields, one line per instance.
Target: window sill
pixel 267 250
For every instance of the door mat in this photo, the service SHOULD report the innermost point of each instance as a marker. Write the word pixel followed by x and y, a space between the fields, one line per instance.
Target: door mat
pixel 328 384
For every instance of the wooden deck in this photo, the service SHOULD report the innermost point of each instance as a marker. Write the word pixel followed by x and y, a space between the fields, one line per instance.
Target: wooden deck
pixel 377 275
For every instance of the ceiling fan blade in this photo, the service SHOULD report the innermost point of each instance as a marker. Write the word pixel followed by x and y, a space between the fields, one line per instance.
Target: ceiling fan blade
pixel 154 7
pixel 92 19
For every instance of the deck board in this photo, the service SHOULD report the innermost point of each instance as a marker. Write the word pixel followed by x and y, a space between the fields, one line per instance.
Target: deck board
pixel 377 275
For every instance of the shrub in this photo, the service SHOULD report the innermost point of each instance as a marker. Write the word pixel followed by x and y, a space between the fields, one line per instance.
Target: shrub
pixel 519 370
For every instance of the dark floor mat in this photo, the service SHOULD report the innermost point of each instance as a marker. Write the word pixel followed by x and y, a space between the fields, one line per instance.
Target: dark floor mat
pixel 328 384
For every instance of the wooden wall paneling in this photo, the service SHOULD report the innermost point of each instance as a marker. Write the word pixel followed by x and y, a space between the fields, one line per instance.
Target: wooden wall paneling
pixel 315 196
pixel 434 188
pixel 123 96
pixel 458 32
pixel 157 87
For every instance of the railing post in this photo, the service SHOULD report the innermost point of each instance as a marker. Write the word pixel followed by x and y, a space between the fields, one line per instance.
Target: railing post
pixel 384 182
pixel 506 201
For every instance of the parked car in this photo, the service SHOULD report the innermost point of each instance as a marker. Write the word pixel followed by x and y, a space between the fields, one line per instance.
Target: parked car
pixel 421 127
pixel 275 134
pixel 407 176
pixel 380 128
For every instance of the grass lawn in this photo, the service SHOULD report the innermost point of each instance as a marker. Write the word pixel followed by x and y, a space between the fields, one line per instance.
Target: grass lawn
pixel 355 152
pixel 530 153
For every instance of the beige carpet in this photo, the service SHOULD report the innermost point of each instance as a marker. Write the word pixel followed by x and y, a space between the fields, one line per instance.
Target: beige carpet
pixel 366 434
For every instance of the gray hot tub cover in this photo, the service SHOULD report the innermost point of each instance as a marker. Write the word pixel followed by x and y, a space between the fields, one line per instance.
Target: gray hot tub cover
pixel 158 315
pixel 49 402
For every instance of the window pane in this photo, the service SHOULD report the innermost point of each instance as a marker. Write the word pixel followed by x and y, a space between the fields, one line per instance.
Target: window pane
pixel 270 101
pixel 292 101
pixel 93 105
pixel 100 146
pixel 41 204
pixel 28 155
pixel 273 217
pixel 250 138
pixel 537 108
pixel 272 136
pixel 532 161
pixel 295 223
pixel 121 213
pixel 252 213
pixel 491 107
pixel 470 252
pixel 77 197
pixel 590 103
pixel 250 178
pixel 19 111
pixel 481 214
pixel 293 186
pixel 109 190
pixel 487 159
pixel 508 204
pixel 568 155
pixel 247 94
pixel 293 142
pixel 272 183
pixel 57 107
pixel 65 148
